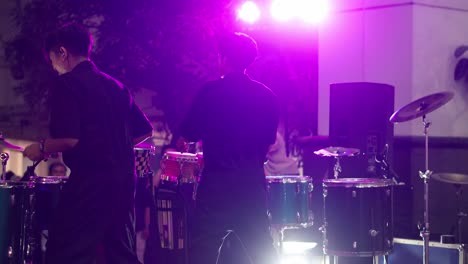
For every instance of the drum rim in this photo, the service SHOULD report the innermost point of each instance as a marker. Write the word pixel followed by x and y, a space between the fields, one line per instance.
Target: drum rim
pixel 49 179
pixel 6 184
pixel 180 156
pixel 340 253
pixel 288 178
pixel 357 182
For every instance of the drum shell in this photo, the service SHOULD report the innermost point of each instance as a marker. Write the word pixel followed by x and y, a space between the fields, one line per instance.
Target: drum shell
pixel 289 199
pixel 142 160
pixel 180 167
pixel 47 192
pixel 358 217
pixel 15 218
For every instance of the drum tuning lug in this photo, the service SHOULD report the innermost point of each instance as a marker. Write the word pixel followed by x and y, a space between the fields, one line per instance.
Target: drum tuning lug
pixel 354 194
pixel 322 229
pixel 10 252
pixel 325 193
pixel 354 244
pixel 373 232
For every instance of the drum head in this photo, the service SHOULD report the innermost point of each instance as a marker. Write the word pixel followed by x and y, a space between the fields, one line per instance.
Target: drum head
pixel 357 182
pixel 145 147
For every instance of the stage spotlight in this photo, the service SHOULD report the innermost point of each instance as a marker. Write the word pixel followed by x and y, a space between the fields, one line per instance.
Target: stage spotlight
pixel 249 12
pixel 282 10
pixel 297 247
pixel 294 259
pixel 310 11
pixel 313 11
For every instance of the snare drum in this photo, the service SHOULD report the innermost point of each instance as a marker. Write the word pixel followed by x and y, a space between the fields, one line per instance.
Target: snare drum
pixel 180 167
pixel 358 217
pixel 15 221
pixel 289 200
pixel 143 152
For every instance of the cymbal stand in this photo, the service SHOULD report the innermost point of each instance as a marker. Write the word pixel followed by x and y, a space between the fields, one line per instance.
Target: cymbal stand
pixel 337 168
pixel 424 232
pixel 4 158
pixel 460 214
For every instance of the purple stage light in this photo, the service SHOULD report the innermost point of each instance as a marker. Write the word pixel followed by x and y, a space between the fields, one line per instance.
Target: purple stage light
pixel 248 12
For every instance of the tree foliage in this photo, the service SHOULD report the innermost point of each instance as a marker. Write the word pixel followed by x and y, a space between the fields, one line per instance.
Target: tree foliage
pixel 166 46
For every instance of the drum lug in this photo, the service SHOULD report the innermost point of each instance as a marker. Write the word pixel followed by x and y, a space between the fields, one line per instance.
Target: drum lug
pixel 388 192
pixel 373 232
pixel 325 192
pixel 12 200
pixel 355 244
pixel 311 186
pixel 354 194
pixel 10 252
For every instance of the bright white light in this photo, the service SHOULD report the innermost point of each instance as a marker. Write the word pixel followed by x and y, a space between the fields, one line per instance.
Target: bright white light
pixel 294 259
pixel 310 11
pixel 295 247
pixel 249 12
pixel 313 11
pixel 282 10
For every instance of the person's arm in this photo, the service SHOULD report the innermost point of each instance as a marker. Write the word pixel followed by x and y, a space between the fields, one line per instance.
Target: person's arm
pixel 146 223
pixel 64 124
pixel 140 126
pixel 140 139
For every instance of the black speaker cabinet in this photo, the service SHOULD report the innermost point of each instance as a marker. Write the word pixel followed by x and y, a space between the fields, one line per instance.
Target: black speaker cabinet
pixel 359 118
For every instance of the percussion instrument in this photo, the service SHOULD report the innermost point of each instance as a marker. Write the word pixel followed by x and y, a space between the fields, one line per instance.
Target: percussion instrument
pixel 15 219
pixel 180 167
pixel 143 153
pixel 289 200
pixel 358 217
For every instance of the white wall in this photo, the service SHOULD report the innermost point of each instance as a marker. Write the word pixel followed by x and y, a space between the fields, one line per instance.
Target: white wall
pixel 437 33
pixel 408 44
pixel 363 45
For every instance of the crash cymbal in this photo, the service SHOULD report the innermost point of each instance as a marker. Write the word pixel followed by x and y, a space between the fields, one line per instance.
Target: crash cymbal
pixel 455 178
pixel 421 106
pixel 4 143
pixel 337 152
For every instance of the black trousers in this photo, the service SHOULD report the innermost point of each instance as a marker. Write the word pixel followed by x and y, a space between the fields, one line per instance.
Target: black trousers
pixel 238 218
pixel 82 229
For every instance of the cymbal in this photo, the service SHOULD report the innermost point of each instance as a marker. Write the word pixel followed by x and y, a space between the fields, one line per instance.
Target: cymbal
pixel 421 106
pixel 337 152
pixel 455 178
pixel 4 143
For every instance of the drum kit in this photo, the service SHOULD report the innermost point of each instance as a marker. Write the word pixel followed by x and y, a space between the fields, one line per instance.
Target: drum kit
pixel 368 201
pixel 26 207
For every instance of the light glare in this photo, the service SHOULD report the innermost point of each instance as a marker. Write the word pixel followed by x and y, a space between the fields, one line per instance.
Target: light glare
pixel 310 11
pixel 248 12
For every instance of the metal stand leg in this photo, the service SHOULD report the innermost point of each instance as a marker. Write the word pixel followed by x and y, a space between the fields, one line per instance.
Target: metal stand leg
pixel 425 233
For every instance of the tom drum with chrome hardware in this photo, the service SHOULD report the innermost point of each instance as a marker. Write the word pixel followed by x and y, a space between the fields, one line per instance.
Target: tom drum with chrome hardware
pixel 15 221
pixel 358 217
pixel 180 167
pixel 289 200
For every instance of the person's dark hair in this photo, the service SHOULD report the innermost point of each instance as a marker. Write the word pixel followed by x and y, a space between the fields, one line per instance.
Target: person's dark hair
pixel 56 164
pixel 239 49
pixel 75 38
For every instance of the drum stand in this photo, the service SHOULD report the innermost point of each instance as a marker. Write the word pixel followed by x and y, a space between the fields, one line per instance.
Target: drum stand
pixel 424 232
pixel 4 158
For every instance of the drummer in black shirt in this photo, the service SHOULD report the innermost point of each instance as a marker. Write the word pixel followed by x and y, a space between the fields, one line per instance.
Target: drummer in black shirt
pixel 236 118
pixel 95 123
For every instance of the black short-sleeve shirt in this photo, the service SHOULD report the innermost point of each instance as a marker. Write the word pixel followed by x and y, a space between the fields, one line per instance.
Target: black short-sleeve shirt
pixel 99 111
pixel 236 118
